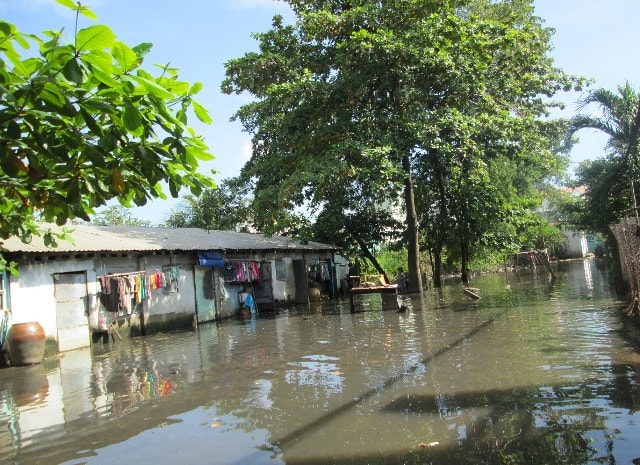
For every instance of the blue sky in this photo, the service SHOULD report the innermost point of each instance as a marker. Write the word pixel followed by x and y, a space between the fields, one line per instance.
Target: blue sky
pixel 594 38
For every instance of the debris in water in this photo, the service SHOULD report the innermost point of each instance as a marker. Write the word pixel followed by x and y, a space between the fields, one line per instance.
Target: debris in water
pixel 429 444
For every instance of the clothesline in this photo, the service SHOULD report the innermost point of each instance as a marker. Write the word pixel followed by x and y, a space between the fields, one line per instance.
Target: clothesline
pixel 125 274
pixel 121 291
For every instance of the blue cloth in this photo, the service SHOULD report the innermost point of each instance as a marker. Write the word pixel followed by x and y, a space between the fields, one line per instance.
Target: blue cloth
pixel 212 258
pixel 249 302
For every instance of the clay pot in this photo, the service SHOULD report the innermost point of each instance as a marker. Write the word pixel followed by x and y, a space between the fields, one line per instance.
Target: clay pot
pixel 26 343
pixel 314 294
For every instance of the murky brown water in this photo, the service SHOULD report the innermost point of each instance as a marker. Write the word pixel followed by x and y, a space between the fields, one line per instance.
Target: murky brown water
pixel 532 373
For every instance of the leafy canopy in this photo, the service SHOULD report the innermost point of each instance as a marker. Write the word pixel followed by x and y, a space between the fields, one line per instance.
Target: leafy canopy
pixel 82 122
pixel 611 180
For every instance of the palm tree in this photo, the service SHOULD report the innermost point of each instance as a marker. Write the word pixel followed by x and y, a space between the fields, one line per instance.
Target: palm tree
pixel 620 120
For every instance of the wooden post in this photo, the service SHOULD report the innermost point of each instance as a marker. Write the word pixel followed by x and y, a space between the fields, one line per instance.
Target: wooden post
pixel 544 258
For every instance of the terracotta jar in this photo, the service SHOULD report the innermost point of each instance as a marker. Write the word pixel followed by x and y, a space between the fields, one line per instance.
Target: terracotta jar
pixel 26 343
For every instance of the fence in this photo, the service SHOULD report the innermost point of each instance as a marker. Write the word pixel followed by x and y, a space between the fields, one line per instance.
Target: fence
pixel 627 234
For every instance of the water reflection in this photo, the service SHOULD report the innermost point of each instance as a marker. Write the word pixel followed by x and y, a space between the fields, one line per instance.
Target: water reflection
pixel 533 372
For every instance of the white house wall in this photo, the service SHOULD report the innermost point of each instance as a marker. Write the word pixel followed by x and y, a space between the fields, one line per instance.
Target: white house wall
pixel 284 290
pixel 576 245
pixel 178 303
pixel 32 292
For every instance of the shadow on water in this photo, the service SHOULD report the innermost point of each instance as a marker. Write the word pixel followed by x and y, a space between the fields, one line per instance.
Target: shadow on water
pixel 533 372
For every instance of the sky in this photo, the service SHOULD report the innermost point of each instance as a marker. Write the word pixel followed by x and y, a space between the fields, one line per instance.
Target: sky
pixel 596 39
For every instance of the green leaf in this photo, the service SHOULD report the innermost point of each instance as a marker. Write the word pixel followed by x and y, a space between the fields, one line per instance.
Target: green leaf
pixel 91 123
pixel 201 112
pixel 105 77
pixel 87 12
pixel 153 88
pixel 125 56
pixel 97 37
pixel 195 88
pixel 53 96
pixel 68 4
pixel 5 29
pixel 98 59
pixel 131 118
pixel 13 130
pixel 16 60
pixel 72 71
pixel 143 48
pixel 65 235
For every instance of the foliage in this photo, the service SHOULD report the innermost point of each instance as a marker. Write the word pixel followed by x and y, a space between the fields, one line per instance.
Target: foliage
pixel 610 181
pixel 487 154
pixel 223 208
pixel 391 260
pixel 82 122
pixel 117 215
pixel 357 98
pixel 357 232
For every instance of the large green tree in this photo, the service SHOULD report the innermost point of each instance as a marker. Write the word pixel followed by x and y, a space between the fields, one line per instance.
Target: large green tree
pixel 82 122
pixel 356 94
pixel 478 190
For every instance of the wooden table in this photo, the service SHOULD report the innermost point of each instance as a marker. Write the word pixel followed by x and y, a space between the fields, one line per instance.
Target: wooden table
pixel 388 293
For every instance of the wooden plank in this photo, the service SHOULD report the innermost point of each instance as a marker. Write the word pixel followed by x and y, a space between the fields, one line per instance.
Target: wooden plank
pixel 471 292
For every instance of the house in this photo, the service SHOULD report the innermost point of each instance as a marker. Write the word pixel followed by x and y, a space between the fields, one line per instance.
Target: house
pixel 575 242
pixel 123 280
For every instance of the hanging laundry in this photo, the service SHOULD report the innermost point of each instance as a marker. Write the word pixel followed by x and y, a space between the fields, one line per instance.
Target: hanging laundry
pixel 255 271
pixel 138 290
pixel 223 290
pixel 105 283
pixel 250 302
pixel 241 272
pixel 230 274
pixel 120 293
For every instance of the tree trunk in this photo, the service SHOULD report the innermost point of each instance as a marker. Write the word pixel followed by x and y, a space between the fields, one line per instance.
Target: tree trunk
pixel 440 226
pixel 369 256
pixel 437 267
pixel 415 276
pixel 464 254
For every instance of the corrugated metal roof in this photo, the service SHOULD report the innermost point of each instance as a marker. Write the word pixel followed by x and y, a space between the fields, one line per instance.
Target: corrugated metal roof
pixel 90 238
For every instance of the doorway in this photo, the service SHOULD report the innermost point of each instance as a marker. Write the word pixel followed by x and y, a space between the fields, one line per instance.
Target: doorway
pixel 302 282
pixel 71 310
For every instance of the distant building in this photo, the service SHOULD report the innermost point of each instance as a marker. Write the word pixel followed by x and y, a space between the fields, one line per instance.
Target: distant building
pixel 576 243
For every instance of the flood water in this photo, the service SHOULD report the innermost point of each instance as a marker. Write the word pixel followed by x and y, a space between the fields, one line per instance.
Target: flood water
pixel 534 372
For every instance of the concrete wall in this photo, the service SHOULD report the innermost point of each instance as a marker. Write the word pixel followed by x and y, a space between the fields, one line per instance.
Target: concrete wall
pixel 284 284
pixel 576 245
pixel 32 293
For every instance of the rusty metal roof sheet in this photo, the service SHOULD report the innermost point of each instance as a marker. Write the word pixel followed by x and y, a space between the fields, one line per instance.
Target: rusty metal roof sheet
pixel 91 238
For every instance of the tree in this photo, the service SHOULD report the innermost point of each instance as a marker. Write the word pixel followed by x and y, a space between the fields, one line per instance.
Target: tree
pixel 117 215
pixel 357 232
pixel 488 147
pixel 223 208
pixel 359 94
pixel 611 181
pixel 83 122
